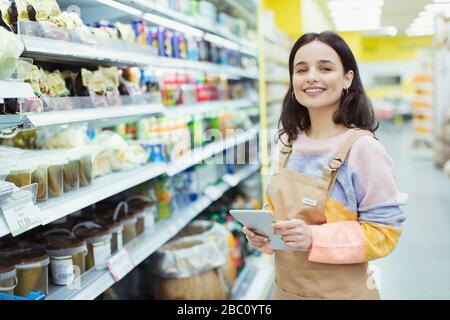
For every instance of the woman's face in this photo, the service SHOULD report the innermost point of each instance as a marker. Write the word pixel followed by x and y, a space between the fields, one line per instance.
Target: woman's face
pixel 319 76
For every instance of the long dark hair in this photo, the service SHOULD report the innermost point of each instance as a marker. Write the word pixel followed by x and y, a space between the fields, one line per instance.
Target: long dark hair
pixel 355 108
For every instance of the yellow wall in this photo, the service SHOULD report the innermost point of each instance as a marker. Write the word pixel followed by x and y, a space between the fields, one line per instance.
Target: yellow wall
pixel 287 16
pixel 393 48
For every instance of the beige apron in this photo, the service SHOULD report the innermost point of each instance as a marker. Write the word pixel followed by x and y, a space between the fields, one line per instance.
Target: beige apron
pixel 295 276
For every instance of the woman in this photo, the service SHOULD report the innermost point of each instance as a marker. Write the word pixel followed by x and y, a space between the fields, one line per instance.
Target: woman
pixel 333 189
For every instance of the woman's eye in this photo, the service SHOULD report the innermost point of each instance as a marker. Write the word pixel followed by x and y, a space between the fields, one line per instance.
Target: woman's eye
pixel 326 69
pixel 301 70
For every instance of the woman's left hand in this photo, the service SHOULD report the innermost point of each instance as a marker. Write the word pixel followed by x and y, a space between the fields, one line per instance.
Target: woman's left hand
pixel 295 233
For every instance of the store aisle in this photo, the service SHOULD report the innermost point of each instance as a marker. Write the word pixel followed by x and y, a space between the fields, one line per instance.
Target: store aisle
pixel 419 268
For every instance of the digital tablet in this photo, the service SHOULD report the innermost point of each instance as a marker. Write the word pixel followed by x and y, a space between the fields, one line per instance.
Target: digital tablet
pixel 260 221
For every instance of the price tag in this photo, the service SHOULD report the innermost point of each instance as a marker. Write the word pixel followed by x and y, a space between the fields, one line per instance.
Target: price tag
pixel 231 180
pixel 213 193
pixel 120 264
pixel 21 216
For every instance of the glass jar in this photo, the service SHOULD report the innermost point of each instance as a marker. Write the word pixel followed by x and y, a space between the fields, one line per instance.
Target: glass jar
pixel 116 228
pixel 67 260
pixel 8 278
pixel 98 244
pixel 32 271
pixel 128 220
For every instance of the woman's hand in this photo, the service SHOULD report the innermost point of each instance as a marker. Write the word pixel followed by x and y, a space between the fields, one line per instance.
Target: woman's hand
pixel 295 233
pixel 257 241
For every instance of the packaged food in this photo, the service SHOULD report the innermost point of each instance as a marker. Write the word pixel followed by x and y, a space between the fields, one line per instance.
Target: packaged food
pixel 20 173
pixel 165 42
pixel 8 278
pixel 40 176
pixel 56 177
pixel 179 46
pixel 98 241
pixel 23 140
pixel 140 31
pixel 128 220
pixel 126 32
pixel 145 210
pixel 62 138
pixel 67 260
pixel 164 195
pixel 22 9
pixel 10 50
pixel 5 21
pixel 71 173
pixel 101 164
pixel 32 271
pixel 116 228
pixel 86 169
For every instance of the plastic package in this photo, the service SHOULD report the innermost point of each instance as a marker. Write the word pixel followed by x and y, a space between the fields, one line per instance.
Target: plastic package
pixel 10 50
pixel 86 169
pixel 116 228
pixel 129 222
pixel 8 278
pixel 56 177
pixel 40 176
pixel 32 271
pixel 67 260
pixel 98 241
pixel 20 173
pixel 101 163
pixel 71 173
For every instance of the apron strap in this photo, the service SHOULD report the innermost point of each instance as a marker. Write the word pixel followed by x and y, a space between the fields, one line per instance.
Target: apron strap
pixel 330 171
pixel 285 153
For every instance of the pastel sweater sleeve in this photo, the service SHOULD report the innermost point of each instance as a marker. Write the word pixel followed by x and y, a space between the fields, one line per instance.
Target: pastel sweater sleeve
pixel 374 230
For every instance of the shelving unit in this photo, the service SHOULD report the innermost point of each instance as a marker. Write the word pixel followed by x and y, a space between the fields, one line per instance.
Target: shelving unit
pixel 94 281
pixel 112 184
pixel 124 55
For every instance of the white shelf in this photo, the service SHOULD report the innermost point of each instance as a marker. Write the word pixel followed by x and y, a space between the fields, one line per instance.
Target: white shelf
pixel 94 282
pixel 42 119
pixel 203 25
pixel 207 107
pixel 54 50
pixel 114 183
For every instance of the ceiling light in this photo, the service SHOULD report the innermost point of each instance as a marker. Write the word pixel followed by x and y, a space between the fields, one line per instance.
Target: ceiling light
pixel 173 25
pixel 438 7
pixel 122 7
pixel 353 4
pixel 353 15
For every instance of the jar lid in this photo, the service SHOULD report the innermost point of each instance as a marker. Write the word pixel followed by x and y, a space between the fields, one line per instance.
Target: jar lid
pixel 66 244
pixel 109 223
pixel 92 233
pixel 7 266
pixel 27 256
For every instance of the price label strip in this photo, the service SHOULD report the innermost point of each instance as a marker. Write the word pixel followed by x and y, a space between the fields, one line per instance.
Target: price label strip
pixel 21 216
pixel 120 264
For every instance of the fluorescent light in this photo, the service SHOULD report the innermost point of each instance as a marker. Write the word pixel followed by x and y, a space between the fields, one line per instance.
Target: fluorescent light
pixel 173 25
pixel 389 31
pixel 419 31
pixel 219 41
pixel 353 4
pixel 122 7
pixel 441 1
pixel 353 15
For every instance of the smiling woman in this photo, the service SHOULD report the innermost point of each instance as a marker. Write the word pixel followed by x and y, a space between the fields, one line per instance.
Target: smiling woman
pixel 333 188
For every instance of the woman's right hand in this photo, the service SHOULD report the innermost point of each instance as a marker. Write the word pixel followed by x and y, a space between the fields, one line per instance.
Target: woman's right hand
pixel 257 241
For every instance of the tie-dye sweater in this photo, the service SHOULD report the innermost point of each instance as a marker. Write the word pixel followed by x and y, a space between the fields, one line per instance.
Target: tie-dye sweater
pixel 363 211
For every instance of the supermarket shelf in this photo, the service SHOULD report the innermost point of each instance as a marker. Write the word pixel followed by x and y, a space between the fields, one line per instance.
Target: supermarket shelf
pixel 63 51
pixel 200 154
pixel 114 183
pixel 42 119
pixel 256 280
pixel 278 80
pixel 100 189
pixel 180 17
pixel 94 281
pixel 207 107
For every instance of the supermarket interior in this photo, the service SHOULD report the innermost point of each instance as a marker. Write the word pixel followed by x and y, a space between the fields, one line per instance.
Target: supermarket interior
pixel 129 129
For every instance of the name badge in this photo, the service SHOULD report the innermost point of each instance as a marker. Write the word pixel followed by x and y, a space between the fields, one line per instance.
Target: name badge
pixel 309 202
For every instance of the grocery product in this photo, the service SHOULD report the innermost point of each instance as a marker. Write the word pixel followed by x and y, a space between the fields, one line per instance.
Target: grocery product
pixel 8 279
pixel 164 196
pixel 116 228
pixel 86 168
pixel 10 50
pixel 71 173
pixel 98 241
pixel 128 219
pixel 56 177
pixel 32 271
pixel 20 173
pixel 40 176
pixel 67 260
pixel 146 211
